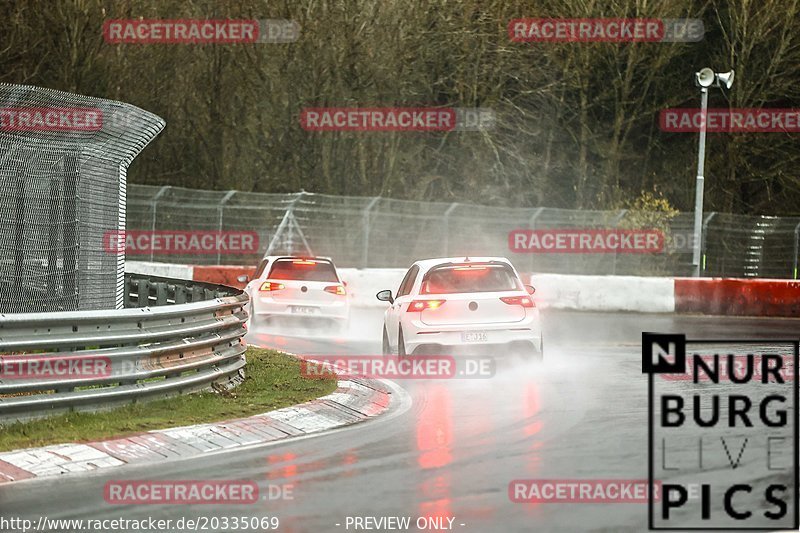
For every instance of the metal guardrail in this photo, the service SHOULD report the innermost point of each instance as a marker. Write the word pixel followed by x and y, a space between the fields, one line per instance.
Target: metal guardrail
pixel 173 337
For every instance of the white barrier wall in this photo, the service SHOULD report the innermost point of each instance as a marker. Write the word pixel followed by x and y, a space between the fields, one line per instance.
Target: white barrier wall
pixel 166 270
pixel 605 293
pixel 583 293
pixel 364 283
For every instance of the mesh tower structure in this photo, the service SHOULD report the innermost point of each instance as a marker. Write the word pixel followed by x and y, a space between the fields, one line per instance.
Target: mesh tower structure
pixel 63 162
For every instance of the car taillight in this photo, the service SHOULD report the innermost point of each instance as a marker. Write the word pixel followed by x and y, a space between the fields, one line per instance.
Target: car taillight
pixel 524 301
pixel 421 305
pixel 304 262
pixel 271 286
pixel 335 289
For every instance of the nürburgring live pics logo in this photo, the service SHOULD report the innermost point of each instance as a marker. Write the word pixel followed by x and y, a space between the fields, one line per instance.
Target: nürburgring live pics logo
pixel 722 433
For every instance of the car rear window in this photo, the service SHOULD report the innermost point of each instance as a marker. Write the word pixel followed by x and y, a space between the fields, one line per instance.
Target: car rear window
pixel 303 270
pixel 474 278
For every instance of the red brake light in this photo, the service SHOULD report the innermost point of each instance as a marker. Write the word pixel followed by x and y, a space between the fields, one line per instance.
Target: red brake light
pixel 271 286
pixel 524 301
pixel 421 305
pixel 303 262
pixel 335 289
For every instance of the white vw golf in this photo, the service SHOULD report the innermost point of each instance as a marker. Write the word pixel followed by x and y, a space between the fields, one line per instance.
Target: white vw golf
pixel 294 289
pixel 443 305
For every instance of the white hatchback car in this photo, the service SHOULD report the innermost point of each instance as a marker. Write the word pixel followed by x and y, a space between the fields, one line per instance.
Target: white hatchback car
pixel 305 290
pixel 452 303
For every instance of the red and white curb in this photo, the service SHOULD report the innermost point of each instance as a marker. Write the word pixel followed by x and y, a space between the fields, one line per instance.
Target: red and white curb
pixel 355 400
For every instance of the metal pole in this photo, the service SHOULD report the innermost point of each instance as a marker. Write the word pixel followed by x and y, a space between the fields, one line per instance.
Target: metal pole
pixel 52 239
pixel 154 203
pixel 698 195
pixel 285 220
pixel 446 232
pixel 278 233
pixel 70 235
pixel 796 249
pixel 532 225
pixel 365 229
pixel 220 208
pixel 302 235
pixel 290 231
pixel 17 279
pixel 617 220
pixel 704 234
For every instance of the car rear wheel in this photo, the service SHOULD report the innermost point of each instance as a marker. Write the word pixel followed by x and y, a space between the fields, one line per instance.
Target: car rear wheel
pixel 251 318
pixel 529 351
pixel 387 350
pixel 339 327
pixel 538 353
pixel 401 345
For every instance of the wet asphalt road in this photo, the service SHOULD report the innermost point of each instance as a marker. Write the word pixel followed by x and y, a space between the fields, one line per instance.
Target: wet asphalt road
pixel 449 448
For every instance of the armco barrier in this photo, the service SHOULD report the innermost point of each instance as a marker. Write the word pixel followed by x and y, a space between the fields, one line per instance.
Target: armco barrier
pixel 738 297
pixel 173 337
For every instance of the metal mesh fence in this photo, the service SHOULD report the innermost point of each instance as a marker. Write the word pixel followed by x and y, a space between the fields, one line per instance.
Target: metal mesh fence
pixel 761 246
pixel 63 159
pixel 382 232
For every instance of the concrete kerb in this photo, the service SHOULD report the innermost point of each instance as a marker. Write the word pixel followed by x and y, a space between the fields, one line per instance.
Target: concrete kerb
pixel 355 400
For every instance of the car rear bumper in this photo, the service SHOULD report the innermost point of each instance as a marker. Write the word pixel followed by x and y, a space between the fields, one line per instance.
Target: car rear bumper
pixel 484 337
pixel 269 309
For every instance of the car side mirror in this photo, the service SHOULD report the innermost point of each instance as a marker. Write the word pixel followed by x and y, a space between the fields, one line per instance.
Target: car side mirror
pixel 385 296
pixel 244 278
pixel 530 288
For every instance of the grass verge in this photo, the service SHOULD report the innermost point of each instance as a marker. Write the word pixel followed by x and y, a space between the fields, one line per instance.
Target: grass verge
pixel 272 381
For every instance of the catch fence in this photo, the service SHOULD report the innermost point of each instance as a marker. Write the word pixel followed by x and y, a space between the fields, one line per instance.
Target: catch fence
pixel 380 232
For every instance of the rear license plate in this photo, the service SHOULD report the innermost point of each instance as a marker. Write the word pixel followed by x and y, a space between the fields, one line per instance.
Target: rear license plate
pixel 301 310
pixel 474 336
